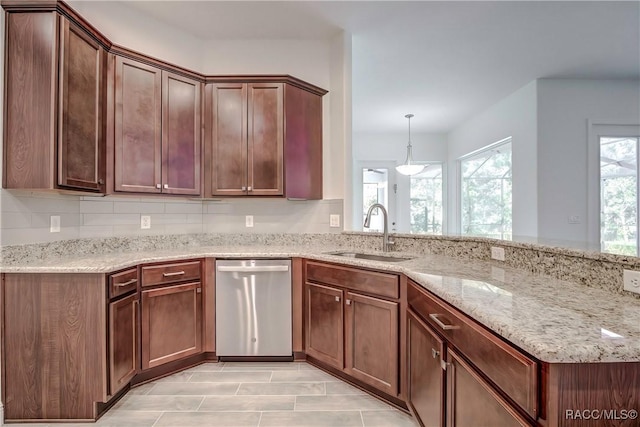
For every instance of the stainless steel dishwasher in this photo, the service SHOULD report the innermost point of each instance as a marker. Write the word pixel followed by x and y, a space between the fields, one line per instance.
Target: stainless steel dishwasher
pixel 253 308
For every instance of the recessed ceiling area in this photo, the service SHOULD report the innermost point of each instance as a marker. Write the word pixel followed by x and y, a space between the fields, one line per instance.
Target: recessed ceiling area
pixel 442 61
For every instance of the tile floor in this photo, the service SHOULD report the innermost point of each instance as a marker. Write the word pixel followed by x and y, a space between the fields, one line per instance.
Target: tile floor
pixel 249 394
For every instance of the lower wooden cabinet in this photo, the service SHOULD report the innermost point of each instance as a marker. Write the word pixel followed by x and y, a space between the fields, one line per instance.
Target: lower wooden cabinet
pixel 171 323
pixel 124 358
pixel 324 324
pixel 350 331
pixel 472 402
pixel 426 380
pixel 371 331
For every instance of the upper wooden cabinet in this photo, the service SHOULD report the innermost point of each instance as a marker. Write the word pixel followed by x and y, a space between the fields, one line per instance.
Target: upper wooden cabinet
pixel 263 139
pixel 54 132
pixel 157 130
pixel 82 114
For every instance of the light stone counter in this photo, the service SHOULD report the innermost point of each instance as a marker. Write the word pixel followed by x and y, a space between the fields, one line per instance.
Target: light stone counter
pixel 553 320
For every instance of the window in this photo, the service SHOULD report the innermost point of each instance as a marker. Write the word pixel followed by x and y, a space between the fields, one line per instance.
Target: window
pixel 485 193
pixel 375 190
pixel 619 195
pixel 426 200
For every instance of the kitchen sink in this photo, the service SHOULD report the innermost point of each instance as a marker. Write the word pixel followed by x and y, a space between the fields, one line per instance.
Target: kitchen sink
pixel 358 255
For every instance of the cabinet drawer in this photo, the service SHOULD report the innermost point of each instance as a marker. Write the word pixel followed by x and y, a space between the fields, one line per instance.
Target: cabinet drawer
pixel 507 367
pixel 123 282
pixel 170 273
pixel 372 282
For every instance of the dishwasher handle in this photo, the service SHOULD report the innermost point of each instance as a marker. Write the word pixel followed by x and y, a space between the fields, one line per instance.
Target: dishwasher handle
pixel 254 269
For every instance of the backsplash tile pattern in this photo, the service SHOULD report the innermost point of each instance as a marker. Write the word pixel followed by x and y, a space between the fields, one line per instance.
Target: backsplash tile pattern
pixel 25 216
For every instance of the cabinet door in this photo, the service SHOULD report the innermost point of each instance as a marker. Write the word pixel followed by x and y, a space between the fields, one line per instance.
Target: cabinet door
pixel 426 376
pixel 138 144
pixel 181 130
pixel 81 123
pixel 474 403
pixel 372 341
pixel 29 108
pixel 324 324
pixel 123 342
pixel 171 323
pixel 265 139
pixel 228 139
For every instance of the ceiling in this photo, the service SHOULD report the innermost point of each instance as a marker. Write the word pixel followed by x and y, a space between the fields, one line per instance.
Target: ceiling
pixel 442 61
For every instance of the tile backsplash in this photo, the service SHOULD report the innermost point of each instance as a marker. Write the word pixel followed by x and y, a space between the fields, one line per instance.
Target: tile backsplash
pixel 25 216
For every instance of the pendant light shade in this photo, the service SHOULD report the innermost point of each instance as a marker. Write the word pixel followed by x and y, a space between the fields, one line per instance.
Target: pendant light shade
pixel 409 167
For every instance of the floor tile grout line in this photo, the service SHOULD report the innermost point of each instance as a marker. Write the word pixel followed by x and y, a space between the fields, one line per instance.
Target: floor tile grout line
pixel 260 419
pixel 201 402
pixel 361 418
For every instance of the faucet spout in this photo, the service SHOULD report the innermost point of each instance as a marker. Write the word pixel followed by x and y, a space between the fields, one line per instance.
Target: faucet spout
pixel 386 242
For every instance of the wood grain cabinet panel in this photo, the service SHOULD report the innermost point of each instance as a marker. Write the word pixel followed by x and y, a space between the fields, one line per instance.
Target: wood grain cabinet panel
pixel 263 139
pixel 54 132
pixel 54 346
pixel 138 137
pixel 81 148
pixel 124 357
pixel 228 148
pixel 426 380
pixel 324 324
pixel 355 333
pixel 371 351
pixel 171 323
pixel 181 134
pixel 472 402
pixel 157 130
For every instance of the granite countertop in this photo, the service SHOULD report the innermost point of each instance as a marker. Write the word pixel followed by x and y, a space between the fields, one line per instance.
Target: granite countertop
pixel 553 320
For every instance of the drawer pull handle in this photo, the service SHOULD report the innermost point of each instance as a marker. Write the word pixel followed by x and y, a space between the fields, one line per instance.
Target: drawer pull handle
pixel 122 285
pixel 177 273
pixel 435 353
pixel 441 324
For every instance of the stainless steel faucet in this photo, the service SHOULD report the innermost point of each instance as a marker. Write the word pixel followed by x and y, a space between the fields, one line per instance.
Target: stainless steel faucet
pixel 386 241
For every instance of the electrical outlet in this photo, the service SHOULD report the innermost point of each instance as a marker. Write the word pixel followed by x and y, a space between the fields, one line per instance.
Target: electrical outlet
pixel 248 220
pixel 55 223
pixel 631 281
pixel 334 220
pixel 145 222
pixel 497 253
pixel 573 219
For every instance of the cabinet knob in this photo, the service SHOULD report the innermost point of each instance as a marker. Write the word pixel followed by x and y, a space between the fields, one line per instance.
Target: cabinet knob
pixel 348 302
pixel 101 181
pixel 244 188
pixel 166 186
pixel 249 188
pixel 435 353
pixel 158 186
pixel 338 299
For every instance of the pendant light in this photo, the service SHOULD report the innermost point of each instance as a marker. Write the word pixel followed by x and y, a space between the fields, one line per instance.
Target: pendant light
pixel 409 167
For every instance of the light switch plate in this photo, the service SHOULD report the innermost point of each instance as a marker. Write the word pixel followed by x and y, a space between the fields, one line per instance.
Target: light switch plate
pixel 145 222
pixel 55 223
pixel 334 220
pixel 631 281
pixel 497 253
pixel 248 220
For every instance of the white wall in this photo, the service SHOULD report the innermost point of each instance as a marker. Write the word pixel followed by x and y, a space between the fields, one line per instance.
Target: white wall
pixel 389 150
pixel 565 108
pixel 131 28
pixel 514 116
